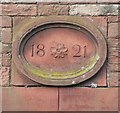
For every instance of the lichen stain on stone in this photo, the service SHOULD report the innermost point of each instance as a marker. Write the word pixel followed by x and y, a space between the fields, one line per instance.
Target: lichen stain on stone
pixel 59 75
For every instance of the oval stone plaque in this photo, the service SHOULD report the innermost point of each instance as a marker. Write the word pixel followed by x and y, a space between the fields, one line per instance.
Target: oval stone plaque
pixel 60 53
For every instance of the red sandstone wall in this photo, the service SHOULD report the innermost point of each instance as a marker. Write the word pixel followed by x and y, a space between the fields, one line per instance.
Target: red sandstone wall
pixel 21 94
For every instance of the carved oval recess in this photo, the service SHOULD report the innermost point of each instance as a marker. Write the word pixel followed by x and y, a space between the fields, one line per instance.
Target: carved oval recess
pixel 59 53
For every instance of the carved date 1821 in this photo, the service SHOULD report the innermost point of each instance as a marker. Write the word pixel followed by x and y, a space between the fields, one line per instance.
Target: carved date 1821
pixel 58 51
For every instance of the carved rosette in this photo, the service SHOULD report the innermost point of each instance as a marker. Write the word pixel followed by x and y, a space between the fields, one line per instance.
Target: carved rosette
pixel 59 50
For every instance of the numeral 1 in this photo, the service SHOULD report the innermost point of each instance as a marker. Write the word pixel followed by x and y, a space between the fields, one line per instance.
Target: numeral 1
pixel 85 49
pixel 32 50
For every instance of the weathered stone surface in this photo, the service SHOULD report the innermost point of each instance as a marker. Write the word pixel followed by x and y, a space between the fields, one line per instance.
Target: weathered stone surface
pixel 98 79
pixel 0 10
pixel 88 99
pixel 48 1
pixel 52 9
pixel 114 78
pixel 78 1
pixel 114 52
pixel 19 79
pixel 0 60
pixel 101 23
pixel 114 67
pixel 6 48
pixel 6 21
pixel 112 19
pixel 4 76
pixel 18 9
pixel 0 47
pixel 113 43
pixel 6 35
pixel 30 99
pixel 113 30
pixel 0 34
pixel 19 1
pixel 114 59
pixel 95 9
pixel 6 59
pixel 108 1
